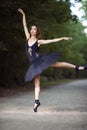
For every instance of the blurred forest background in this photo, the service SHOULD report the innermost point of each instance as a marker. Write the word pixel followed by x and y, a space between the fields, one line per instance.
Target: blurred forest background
pixel 55 20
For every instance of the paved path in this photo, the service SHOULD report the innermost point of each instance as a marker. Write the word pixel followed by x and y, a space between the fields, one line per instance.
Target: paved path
pixel 64 107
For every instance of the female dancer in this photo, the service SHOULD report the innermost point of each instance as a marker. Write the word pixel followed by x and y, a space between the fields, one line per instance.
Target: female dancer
pixel 40 63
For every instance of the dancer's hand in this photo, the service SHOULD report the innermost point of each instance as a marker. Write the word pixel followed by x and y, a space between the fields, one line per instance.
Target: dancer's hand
pixel 21 11
pixel 67 38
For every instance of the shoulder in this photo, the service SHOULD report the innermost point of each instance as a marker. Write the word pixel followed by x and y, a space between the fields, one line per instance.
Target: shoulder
pixel 41 41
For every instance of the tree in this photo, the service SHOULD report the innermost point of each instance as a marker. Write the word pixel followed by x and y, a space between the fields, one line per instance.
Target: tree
pixel 51 15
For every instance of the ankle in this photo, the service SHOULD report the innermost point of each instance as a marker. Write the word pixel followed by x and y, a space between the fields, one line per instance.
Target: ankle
pixel 36 101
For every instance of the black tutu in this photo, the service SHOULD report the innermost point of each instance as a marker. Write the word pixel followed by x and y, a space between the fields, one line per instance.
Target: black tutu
pixel 40 64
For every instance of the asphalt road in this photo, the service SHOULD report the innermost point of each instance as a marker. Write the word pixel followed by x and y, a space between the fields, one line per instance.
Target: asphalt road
pixel 63 107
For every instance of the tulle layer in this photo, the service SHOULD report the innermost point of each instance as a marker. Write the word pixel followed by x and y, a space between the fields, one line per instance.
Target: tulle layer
pixel 42 63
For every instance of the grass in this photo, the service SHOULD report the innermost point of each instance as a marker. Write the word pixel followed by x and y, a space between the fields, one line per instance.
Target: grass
pixel 55 82
pixel 8 91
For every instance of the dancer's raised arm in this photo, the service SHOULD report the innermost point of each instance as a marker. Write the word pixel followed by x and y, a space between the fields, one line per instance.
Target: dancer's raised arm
pixel 24 23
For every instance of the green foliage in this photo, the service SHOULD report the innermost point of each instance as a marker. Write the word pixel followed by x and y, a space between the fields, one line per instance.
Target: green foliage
pixel 84 7
pixel 55 19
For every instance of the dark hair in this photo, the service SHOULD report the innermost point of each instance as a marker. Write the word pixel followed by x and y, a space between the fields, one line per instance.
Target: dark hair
pixel 38 35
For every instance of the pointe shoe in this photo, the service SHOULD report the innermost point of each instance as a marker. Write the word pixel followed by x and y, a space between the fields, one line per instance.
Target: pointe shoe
pixel 81 68
pixel 37 105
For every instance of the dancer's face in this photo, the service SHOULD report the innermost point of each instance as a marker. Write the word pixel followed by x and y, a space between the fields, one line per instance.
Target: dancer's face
pixel 33 30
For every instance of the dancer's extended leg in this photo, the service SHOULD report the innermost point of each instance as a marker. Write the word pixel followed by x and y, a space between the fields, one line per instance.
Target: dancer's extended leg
pixel 67 65
pixel 63 65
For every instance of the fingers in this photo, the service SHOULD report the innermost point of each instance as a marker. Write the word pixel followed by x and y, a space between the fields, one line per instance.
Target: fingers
pixel 68 38
pixel 20 10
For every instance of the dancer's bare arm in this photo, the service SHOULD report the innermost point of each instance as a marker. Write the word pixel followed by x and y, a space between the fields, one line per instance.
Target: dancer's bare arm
pixel 24 23
pixel 54 40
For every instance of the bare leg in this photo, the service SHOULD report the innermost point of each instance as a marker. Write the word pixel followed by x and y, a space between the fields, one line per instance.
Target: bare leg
pixel 66 65
pixel 37 91
pixel 37 87
pixel 63 65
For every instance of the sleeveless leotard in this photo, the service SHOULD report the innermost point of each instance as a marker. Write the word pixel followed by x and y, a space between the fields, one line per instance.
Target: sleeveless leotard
pixel 38 62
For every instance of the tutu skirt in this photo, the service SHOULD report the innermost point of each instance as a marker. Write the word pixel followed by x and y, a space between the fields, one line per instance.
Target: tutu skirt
pixel 40 64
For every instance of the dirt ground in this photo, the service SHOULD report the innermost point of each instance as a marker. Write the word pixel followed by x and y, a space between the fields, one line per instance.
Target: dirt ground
pixel 63 107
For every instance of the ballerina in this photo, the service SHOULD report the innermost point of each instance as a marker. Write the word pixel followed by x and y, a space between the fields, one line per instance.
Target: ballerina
pixel 38 62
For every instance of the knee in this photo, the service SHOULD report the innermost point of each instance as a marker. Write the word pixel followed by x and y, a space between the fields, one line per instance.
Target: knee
pixel 63 62
pixel 37 81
